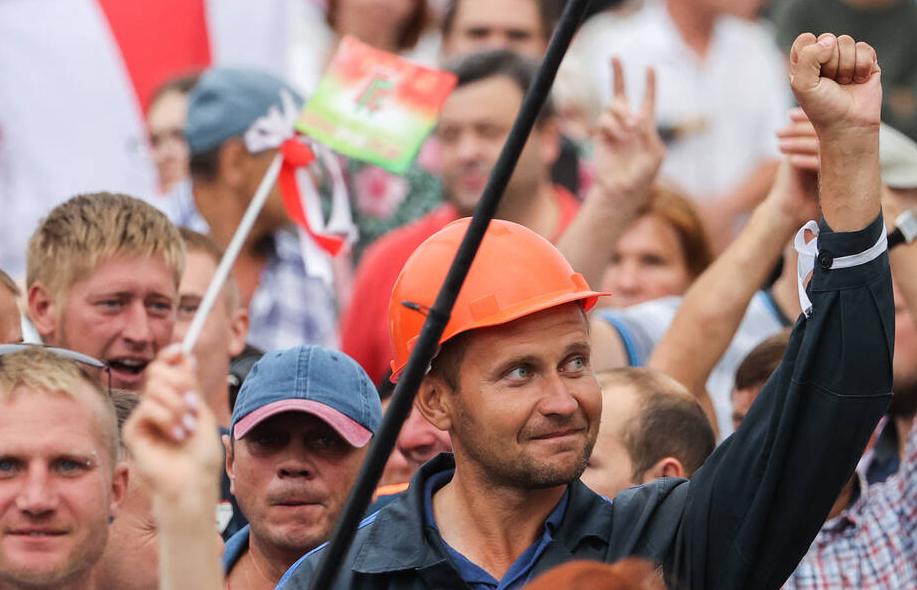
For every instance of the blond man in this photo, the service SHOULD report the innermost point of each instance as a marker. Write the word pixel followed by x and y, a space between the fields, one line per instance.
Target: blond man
pixel 59 490
pixel 225 329
pixel 102 278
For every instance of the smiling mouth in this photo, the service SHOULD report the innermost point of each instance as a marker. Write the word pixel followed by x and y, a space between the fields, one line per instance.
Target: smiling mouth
pixel 559 434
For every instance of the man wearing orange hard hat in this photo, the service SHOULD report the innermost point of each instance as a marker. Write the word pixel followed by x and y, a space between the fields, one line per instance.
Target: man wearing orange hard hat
pixel 513 385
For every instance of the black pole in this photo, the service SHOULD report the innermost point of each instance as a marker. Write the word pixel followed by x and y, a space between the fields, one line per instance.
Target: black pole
pixel 438 315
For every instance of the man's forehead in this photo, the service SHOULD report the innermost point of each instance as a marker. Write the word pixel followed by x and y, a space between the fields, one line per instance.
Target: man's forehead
pixel 499 14
pixel 561 327
pixel 463 103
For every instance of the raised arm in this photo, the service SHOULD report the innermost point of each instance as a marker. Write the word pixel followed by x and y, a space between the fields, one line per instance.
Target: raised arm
pixel 173 438
pixel 715 304
pixel 753 509
pixel 628 153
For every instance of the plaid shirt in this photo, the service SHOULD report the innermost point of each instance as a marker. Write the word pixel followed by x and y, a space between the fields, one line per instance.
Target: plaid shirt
pixel 873 544
pixel 290 308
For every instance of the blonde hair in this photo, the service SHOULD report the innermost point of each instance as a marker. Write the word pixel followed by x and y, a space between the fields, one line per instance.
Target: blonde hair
pixel 36 368
pixel 81 232
pixel 198 242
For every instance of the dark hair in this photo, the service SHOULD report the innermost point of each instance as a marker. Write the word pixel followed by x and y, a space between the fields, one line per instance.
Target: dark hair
pixel 7 282
pixel 448 361
pixel 181 84
pixel 499 62
pixel 548 10
pixel 668 421
pixel 411 31
pixel 757 366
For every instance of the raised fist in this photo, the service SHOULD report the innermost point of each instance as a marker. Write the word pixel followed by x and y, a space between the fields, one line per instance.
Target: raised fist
pixel 836 81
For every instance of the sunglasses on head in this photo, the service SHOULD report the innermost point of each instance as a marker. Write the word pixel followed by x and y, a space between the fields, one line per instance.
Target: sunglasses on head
pixel 79 357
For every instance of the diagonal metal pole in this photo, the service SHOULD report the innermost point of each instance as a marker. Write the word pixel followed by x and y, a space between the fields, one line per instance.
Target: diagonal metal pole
pixel 438 315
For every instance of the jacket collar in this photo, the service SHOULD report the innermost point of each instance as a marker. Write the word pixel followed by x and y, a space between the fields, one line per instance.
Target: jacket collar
pixel 398 539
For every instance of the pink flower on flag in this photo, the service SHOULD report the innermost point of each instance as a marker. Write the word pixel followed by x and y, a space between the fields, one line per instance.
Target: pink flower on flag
pixel 378 192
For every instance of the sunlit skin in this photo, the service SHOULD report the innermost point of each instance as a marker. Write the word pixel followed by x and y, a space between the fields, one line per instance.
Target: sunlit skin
pixel 480 25
pixel 122 313
pixel 166 124
pixel 290 475
pixel 57 491
pixel 10 321
pixel 527 411
pixel 223 334
pixel 610 468
pixel 473 125
pixel 648 263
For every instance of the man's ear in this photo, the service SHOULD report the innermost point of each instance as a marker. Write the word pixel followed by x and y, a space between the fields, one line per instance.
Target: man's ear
pixel 238 330
pixel 665 467
pixel 43 311
pixel 119 482
pixel 227 452
pixel 434 400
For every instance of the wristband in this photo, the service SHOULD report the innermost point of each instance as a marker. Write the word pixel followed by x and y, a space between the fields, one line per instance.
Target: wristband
pixel 905 229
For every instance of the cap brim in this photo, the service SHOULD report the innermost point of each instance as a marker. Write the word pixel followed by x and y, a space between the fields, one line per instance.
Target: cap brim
pixel 355 434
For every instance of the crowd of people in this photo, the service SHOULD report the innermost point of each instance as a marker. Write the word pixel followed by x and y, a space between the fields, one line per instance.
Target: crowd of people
pixel 685 354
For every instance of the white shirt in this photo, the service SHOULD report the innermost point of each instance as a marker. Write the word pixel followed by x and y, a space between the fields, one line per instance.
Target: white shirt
pixel 737 95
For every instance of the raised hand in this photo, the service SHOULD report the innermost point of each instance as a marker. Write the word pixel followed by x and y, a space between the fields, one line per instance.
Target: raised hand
pixel 172 435
pixel 836 81
pixel 628 149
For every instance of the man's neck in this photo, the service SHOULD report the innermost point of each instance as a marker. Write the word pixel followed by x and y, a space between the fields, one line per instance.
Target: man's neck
pixel 492 533
pixel 694 23
pixel 536 208
pixel 261 566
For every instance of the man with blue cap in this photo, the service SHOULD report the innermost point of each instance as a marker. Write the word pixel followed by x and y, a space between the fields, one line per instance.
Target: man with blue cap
pixel 237 119
pixel 299 432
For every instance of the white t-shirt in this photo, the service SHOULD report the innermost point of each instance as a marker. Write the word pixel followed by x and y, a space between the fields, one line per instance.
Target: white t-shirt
pixel 642 326
pixel 736 97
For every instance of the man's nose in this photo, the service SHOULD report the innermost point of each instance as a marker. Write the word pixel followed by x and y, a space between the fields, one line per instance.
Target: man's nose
pixel 558 399
pixel 138 327
pixel 37 496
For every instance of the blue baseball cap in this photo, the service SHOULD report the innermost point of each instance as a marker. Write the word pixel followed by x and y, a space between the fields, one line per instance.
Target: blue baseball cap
pixel 325 383
pixel 225 102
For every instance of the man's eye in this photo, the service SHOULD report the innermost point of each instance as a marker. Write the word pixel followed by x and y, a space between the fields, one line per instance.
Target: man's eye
pixel 160 307
pixel 71 466
pixel 520 373
pixel 187 310
pixel 8 468
pixel 269 441
pixel 575 364
pixel 110 304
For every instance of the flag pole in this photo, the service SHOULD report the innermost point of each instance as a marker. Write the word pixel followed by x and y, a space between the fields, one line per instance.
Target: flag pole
pixel 438 315
pixel 232 252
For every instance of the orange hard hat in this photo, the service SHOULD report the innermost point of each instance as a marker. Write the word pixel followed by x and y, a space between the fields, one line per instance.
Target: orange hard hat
pixel 515 273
